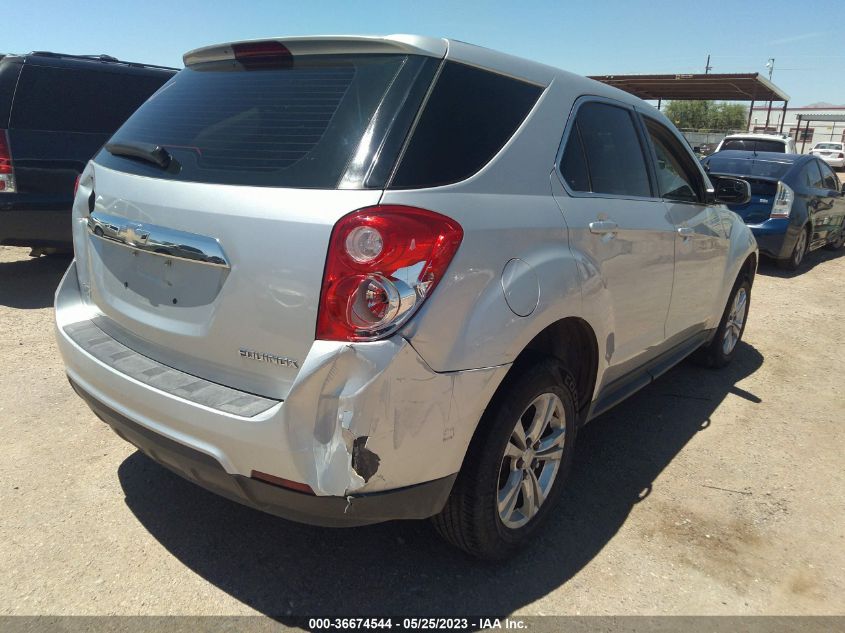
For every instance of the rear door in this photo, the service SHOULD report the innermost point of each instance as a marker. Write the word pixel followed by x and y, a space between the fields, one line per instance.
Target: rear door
pixel 215 262
pixel 833 197
pixel 617 221
pixel 701 245
pixel 820 202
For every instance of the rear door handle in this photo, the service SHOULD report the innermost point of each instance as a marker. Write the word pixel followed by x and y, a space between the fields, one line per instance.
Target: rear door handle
pixel 603 226
pixel 685 231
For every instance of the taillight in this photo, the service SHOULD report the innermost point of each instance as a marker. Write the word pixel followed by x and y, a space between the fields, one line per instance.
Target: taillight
pixel 76 184
pixel 281 482
pixel 383 262
pixel 841 155
pixel 7 172
pixel 263 54
pixel 783 201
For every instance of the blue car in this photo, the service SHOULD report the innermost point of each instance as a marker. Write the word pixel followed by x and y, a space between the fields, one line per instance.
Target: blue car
pixel 797 202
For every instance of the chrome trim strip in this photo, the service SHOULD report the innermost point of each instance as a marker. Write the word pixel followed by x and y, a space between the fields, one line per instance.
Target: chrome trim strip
pixel 157 240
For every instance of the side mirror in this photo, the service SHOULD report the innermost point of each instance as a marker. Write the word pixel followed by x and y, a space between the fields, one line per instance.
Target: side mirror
pixel 733 191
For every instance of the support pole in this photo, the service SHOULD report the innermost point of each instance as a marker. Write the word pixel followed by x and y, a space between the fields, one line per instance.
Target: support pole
pixel 783 116
pixel 804 139
pixel 750 112
pixel 768 114
pixel 659 101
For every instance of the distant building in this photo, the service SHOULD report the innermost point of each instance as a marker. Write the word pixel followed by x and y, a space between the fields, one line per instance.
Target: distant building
pixel 819 131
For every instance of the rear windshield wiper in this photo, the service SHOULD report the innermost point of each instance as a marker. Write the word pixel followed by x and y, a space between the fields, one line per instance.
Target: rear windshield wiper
pixel 148 152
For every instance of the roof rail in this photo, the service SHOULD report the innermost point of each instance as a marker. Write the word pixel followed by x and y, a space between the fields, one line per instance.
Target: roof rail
pixel 100 58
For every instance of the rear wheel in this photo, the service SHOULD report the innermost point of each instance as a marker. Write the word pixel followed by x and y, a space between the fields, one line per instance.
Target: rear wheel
pixel 798 252
pixel 721 350
pixel 516 464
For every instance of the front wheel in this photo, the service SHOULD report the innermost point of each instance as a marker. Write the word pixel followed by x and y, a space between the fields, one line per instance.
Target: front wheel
pixel 836 244
pixel 516 463
pixel 722 348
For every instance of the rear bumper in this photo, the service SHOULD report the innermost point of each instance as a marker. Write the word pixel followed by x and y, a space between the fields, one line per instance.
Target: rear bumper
pixel 775 237
pixel 30 220
pixel 413 502
pixel 360 420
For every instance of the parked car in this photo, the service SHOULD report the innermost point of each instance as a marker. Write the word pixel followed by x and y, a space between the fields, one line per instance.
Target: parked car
pixel 758 143
pixel 56 111
pixel 395 307
pixel 832 153
pixel 797 203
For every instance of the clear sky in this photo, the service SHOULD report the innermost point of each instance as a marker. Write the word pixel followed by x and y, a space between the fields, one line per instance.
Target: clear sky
pixel 586 37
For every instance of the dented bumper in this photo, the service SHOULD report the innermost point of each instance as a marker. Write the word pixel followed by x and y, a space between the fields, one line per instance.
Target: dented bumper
pixel 360 419
pixel 412 502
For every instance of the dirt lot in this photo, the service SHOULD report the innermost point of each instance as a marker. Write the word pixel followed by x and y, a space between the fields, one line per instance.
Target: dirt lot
pixel 706 493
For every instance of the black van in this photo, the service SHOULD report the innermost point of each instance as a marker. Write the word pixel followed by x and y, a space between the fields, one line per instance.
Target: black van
pixel 56 111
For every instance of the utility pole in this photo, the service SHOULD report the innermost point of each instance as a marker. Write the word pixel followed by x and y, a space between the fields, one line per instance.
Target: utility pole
pixel 707 66
pixel 771 66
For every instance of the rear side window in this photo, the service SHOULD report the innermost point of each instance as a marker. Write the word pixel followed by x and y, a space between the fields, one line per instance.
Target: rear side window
pixel 470 115
pixel 615 161
pixel 77 100
pixel 812 175
pixel 296 124
pixel 754 145
pixel 573 163
pixel 828 177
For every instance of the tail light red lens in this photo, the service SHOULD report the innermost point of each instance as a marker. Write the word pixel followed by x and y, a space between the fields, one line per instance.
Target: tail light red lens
pixel 7 172
pixel 281 482
pixel 263 54
pixel 76 184
pixel 383 262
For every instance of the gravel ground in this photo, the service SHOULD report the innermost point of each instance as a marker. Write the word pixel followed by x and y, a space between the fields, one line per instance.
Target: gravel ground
pixel 706 493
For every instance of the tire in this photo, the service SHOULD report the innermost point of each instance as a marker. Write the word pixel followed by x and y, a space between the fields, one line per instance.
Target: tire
pixel 472 518
pixel 836 244
pixel 798 252
pixel 722 348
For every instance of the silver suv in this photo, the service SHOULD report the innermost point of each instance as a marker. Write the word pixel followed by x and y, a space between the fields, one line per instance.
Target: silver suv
pixel 353 279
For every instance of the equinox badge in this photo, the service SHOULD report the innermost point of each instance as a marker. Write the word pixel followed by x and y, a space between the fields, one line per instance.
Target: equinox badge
pixel 284 361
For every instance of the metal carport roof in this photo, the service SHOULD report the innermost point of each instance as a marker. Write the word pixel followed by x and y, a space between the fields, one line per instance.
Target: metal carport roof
pixel 830 118
pixel 721 87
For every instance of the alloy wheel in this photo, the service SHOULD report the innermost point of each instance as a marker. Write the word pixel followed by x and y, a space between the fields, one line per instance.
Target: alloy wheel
pixel 736 319
pixel 800 248
pixel 532 460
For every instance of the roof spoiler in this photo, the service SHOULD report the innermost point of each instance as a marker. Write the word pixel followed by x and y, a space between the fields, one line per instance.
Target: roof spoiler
pixel 328 45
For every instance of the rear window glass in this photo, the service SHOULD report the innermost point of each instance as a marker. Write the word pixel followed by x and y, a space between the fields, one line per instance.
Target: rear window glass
pixel 77 100
pixel 754 145
pixel 829 146
pixel 8 79
pixel 747 166
pixel 468 118
pixel 291 125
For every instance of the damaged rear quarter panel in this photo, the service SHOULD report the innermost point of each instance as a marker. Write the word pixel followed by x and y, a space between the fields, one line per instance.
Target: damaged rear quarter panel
pixel 364 417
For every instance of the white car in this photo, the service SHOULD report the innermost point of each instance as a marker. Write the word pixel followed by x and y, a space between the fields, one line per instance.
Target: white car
pixel 831 153
pixel 780 143
pixel 357 279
